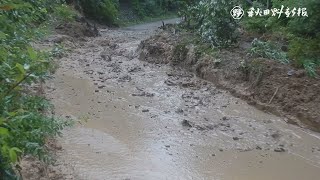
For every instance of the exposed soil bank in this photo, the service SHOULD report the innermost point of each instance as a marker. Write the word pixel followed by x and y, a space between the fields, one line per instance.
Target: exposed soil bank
pixel 267 84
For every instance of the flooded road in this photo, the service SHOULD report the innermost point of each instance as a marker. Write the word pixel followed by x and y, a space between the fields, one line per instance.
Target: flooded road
pixel 146 121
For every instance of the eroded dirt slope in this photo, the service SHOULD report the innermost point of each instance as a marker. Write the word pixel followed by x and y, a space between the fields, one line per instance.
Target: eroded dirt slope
pixel 267 84
pixel 149 121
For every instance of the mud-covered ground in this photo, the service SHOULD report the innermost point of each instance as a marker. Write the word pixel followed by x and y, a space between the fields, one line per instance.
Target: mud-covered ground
pixel 268 85
pixel 140 120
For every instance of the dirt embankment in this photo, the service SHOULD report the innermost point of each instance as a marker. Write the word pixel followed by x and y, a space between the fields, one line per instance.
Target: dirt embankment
pixel 269 85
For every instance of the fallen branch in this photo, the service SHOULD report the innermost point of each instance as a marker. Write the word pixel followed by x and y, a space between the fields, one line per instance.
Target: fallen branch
pixel 15 85
pixel 275 93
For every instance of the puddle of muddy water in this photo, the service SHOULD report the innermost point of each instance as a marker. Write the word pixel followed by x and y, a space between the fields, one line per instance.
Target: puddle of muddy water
pixel 134 124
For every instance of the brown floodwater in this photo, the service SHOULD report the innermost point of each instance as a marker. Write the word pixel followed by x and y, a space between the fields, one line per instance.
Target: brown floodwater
pixel 133 124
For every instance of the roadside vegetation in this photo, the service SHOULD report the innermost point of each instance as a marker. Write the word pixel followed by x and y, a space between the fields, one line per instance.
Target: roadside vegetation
pixel 126 12
pixel 26 120
pixel 292 40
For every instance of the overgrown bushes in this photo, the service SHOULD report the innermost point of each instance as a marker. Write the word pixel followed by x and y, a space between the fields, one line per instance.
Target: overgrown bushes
pixel 154 7
pixel 300 35
pixel 24 127
pixel 213 22
pixel 105 11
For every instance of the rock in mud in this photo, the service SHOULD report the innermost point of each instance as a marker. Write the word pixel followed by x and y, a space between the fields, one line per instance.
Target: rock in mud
pixel 114 46
pixel 235 138
pixel 134 69
pixel 186 123
pixel 188 84
pixel 224 118
pixel 144 94
pixel 125 78
pixel 101 87
pixel 145 110
pixel 279 149
pixel 170 83
pixel 105 56
pixel 116 68
pixel 179 111
pixel 276 135
pixel 200 128
pixel 211 126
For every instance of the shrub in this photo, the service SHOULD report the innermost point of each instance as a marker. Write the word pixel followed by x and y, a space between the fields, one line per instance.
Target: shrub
pixel 151 8
pixel 268 50
pixel 305 53
pixel 24 126
pixel 64 13
pixel 105 11
pixel 213 21
pixel 302 33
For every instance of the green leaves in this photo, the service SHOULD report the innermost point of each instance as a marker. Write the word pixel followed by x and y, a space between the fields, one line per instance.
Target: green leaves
pixel 268 50
pixel 23 125
pixel 32 53
pixel 4 131
pixel 20 68
pixel 13 154
pixel 2 35
pixel 213 22
pixel 102 10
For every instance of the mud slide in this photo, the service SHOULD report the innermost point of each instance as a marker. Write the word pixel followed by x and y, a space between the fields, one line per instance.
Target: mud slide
pixel 142 121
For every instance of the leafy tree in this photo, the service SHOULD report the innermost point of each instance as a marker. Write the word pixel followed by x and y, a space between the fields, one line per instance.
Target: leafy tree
pixel 105 11
pixel 155 7
pixel 213 22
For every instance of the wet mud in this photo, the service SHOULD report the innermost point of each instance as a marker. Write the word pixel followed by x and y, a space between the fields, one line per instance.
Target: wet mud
pixel 147 121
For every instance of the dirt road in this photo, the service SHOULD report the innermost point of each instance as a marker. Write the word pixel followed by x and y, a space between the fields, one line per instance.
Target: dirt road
pixel 146 121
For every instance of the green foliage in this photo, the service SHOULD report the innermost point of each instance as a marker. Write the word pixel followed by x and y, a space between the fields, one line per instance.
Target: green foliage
pixel 64 13
pixel 23 125
pixel 213 21
pixel 256 23
pixel 105 11
pixel 152 8
pixel 302 33
pixel 304 38
pixel 268 50
pixel 305 52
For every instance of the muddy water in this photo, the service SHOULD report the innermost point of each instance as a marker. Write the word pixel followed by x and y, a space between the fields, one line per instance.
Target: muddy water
pixel 145 121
